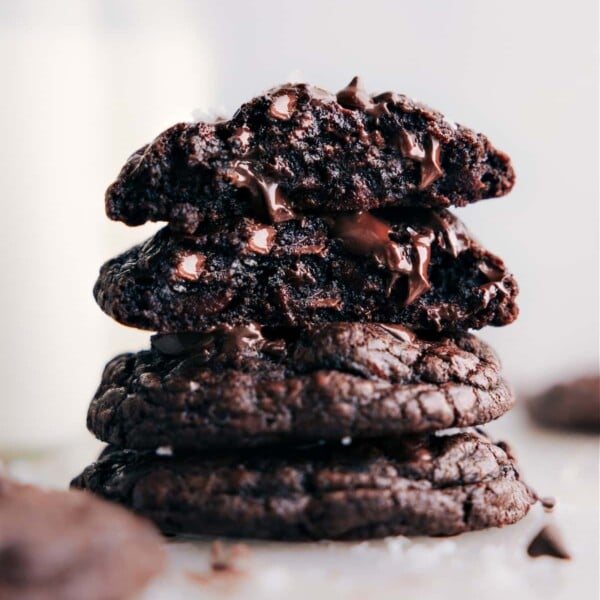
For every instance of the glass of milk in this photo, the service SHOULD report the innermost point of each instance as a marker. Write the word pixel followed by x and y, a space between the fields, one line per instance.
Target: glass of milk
pixel 83 86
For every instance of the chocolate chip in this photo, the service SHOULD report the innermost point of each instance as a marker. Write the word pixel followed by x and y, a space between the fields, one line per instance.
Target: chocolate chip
pixel 548 542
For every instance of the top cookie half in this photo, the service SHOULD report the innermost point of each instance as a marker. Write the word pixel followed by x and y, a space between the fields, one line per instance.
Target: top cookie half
pixel 298 148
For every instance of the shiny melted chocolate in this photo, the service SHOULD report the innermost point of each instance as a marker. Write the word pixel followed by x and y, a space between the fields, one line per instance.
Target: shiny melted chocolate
pixel 243 175
pixel 495 287
pixel 418 282
pixel 354 96
pixel 409 147
pixel 190 266
pixel 363 234
pixel 429 157
pixel 231 340
pixel 283 105
pixel 456 240
pixel 261 240
pixel 335 303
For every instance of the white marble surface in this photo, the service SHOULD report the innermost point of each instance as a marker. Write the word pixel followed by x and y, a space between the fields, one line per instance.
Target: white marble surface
pixel 491 564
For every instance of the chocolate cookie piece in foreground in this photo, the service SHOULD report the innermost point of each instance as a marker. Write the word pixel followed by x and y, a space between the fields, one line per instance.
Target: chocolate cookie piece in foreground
pixel 574 405
pixel 298 148
pixel 71 545
pixel 414 267
pixel 428 485
pixel 238 387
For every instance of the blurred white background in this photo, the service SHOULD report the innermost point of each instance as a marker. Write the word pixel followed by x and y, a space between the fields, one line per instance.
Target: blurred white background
pixel 85 83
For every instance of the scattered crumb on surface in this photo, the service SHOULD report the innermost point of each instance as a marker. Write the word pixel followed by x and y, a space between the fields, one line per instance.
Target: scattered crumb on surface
pixel 224 560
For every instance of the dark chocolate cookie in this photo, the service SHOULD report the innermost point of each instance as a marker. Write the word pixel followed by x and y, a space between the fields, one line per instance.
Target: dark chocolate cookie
pixel 429 485
pixel 70 545
pixel 298 148
pixel 236 387
pixel 415 267
pixel 574 405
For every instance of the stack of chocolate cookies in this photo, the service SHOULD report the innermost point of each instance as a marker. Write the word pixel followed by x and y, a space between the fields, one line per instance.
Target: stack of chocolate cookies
pixel 313 298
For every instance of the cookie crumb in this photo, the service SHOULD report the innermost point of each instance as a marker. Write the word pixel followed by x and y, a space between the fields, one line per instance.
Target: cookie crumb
pixel 225 559
pixel 548 502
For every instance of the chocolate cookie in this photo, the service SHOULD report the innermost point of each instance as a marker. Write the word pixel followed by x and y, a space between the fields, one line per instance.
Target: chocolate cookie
pixel 573 405
pixel 416 267
pixel 429 485
pixel 237 387
pixel 298 148
pixel 70 545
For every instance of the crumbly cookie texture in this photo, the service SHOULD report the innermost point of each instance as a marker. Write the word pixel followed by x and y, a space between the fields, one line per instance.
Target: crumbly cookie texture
pixel 298 148
pixel 428 485
pixel 237 387
pixel 70 545
pixel 415 267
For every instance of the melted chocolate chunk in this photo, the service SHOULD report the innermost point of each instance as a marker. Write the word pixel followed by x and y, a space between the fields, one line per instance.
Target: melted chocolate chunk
pixel 245 176
pixel 190 266
pixel 299 149
pixel 261 240
pixel 414 267
pixel 229 339
pixel 365 235
pixel 548 543
pixel 283 105
pixel 354 95
pixel 409 147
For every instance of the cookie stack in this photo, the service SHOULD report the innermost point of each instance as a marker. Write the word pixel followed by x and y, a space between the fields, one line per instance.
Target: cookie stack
pixel 312 296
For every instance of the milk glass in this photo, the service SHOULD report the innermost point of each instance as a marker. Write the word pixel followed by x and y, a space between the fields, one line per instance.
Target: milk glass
pixel 83 84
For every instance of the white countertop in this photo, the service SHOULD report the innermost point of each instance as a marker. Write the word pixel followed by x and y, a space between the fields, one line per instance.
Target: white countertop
pixel 493 563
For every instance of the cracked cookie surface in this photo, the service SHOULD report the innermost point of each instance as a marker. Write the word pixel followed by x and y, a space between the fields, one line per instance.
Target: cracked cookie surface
pixel 424 485
pixel 237 387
